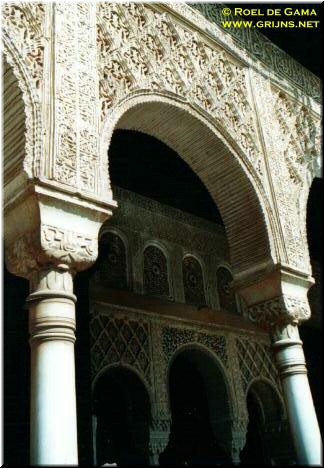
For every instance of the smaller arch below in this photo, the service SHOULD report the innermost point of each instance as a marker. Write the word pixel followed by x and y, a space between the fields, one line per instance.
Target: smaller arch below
pixel 201 408
pixel 268 440
pixel 121 404
pixel 270 402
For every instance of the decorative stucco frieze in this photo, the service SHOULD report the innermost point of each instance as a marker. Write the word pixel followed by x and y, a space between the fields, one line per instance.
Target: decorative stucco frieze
pixel 23 25
pixel 291 133
pixel 259 47
pixel 300 137
pixel 52 50
pixel 174 338
pixel 76 96
pixel 141 49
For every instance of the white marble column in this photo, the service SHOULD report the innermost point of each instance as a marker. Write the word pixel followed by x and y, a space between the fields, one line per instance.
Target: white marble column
pixel 302 418
pixel 53 423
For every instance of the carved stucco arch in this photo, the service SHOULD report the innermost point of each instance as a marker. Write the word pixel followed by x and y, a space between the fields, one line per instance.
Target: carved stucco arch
pixel 128 368
pixel 221 427
pixel 273 388
pixel 203 350
pixel 222 168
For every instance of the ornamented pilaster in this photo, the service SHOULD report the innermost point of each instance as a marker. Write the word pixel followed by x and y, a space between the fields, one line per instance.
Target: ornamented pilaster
pixel 161 421
pixel 240 422
pixel 159 437
pixel 239 430
pixel 161 408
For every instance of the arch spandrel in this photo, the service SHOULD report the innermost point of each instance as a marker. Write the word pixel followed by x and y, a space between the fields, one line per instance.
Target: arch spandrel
pixel 57 73
pixel 141 49
pixel 294 159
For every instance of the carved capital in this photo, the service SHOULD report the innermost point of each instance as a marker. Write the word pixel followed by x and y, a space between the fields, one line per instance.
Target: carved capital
pixel 46 228
pixel 276 298
pixel 280 311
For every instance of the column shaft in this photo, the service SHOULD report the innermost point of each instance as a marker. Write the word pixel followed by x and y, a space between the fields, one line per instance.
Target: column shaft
pixel 53 427
pixel 299 403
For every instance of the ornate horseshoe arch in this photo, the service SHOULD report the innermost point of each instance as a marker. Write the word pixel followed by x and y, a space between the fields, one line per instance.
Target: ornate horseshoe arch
pixel 189 133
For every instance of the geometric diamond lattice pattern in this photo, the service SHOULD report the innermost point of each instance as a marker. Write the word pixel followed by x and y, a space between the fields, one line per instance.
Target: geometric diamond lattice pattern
pixel 255 361
pixel 115 339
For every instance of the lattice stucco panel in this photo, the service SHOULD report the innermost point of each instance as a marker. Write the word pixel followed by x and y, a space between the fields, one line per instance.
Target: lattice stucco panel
pixel 116 339
pixel 255 360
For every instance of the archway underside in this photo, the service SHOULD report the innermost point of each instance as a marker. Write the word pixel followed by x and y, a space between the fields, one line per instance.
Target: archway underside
pixel 218 168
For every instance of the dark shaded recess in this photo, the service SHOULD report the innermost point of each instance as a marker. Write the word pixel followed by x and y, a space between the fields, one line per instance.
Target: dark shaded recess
pixel 312 339
pixel 16 369
pixel 303 44
pixel 145 165
pixel 191 442
pixel 315 230
pixel 253 453
pixel 83 368
pixel 122 406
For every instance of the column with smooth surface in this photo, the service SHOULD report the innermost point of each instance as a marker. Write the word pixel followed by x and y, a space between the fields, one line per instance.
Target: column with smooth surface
pixel 53 423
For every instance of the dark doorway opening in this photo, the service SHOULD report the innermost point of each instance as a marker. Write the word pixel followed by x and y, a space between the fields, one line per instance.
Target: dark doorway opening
pixel 268 441
pixel 253 453
pixel 122 408
pixel 192 440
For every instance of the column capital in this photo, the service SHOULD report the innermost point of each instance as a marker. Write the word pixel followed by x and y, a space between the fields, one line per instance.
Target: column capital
pixel 277 298
pixel 280 311
pixel 46 227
